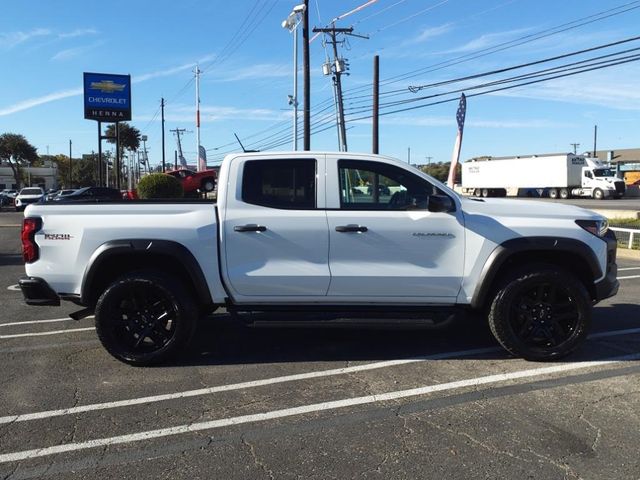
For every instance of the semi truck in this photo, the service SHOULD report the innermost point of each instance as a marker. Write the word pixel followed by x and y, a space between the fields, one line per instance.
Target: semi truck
pixel 558 176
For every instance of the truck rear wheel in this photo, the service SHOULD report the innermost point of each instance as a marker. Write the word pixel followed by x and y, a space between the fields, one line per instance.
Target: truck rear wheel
pixel 144 318
pixel 553 193
pixel 564 193
pixel 541 313
pixel 485 192
pixel 208 184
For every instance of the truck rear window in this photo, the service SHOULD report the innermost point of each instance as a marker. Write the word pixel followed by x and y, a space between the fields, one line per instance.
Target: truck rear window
pixel 288 184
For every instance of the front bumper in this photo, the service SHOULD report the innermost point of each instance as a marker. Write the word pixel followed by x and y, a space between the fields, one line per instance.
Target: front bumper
pixel 36 291
pixel 608 286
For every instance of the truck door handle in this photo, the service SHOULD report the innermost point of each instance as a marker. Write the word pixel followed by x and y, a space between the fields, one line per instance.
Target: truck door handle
pixel 351 228
pixel 249 228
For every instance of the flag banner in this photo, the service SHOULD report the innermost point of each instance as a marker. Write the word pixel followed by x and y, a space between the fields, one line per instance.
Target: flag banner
pixel 202 158
pixel 455 157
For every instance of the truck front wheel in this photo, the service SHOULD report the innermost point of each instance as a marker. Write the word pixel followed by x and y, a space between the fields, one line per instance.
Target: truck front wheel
pixel 598 194
pixel 541 313
pixel 144 318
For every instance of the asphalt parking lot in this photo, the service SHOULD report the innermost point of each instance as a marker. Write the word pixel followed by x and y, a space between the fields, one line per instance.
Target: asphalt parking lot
pixel 249 403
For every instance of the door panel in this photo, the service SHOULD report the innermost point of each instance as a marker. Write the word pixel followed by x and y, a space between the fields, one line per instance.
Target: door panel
pixel 275 239
pixel 405 250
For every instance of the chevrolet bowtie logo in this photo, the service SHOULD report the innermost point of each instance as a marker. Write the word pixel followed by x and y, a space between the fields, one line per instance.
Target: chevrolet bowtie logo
pixel 107 86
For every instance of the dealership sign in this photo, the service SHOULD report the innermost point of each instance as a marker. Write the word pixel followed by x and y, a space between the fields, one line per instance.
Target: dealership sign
pixel 107 97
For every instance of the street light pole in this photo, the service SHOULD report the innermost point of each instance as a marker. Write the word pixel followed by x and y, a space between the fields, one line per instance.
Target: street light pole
pixel 291 23
pixel 70 165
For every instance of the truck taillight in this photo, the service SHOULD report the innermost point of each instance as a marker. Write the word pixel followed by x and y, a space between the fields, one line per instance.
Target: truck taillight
pixel 30 250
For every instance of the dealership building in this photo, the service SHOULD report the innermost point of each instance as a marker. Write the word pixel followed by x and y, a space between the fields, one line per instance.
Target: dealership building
pixel 45 176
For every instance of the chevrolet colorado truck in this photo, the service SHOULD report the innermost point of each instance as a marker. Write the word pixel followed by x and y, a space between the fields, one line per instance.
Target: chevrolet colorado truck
pixel 352 234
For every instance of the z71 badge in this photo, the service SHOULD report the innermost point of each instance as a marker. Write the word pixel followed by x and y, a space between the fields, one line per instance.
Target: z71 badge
pixel 57 236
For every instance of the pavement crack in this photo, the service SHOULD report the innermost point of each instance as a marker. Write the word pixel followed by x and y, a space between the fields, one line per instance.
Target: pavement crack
pixel 568 471
pixel 256 460
pixel 475 441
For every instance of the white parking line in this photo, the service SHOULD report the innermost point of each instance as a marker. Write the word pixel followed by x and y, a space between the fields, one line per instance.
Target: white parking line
pixel 270 381
pixel 52 332
pixel 31 322
pixel 628 268
pixel 304 409
pixel 627 278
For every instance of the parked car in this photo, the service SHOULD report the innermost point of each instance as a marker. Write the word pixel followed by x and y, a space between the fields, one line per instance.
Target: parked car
pixel 204 181
pixel 149 271
pixel 28 196
pixel 90 194
pixel 7 197
pixel 53 193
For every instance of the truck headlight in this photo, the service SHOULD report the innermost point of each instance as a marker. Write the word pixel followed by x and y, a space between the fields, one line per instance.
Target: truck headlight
pixel 597 227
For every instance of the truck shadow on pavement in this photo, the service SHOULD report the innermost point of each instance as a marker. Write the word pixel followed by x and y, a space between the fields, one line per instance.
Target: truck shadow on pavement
pixel 222 340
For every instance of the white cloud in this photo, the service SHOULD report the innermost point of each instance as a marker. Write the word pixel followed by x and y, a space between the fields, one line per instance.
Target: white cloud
pixel 611 90
pixel 431 32
pixel 487 40
pixel 61 94
pixel 79 32
pixel 12 39
pixel 259 71
pixel 70 53
pixel 33 102
pixel 216 113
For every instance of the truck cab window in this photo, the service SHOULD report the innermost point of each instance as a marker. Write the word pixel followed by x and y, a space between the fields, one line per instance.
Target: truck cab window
pixel 288 184
pixel 378 186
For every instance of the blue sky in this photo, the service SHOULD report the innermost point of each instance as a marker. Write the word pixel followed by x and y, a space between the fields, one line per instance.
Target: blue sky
pixel 46 45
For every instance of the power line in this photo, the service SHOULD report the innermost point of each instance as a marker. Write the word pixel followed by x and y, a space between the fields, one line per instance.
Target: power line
pixel 508 87
pixel 366 98
pixel 620 9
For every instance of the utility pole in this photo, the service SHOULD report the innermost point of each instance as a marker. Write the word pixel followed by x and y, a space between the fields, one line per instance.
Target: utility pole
pixel 306 118
pixel 70 164
pixel 409 155
pixel 428 159
pixel 575 147
pixel 199 166
pixel 175 159
pixel 162 109
pixel 595 139
pixel 376 105
pixel 178 132
pixel 336 70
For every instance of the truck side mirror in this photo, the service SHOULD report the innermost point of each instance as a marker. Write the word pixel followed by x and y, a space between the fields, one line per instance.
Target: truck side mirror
pixel 440 203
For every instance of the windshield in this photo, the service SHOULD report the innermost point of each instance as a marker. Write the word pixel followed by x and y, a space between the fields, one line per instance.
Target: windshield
pixel 603 172
pixel 31 191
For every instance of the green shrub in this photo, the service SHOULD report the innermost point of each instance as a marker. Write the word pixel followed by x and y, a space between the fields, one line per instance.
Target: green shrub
pixel 159 185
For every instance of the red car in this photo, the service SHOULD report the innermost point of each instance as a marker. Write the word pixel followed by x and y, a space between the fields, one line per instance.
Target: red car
pixel 204 181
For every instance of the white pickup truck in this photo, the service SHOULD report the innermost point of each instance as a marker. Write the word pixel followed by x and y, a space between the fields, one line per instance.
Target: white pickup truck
pixel 352 234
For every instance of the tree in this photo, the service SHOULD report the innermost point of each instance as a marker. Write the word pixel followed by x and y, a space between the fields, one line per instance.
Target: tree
pixel 129 136
pixel 16 151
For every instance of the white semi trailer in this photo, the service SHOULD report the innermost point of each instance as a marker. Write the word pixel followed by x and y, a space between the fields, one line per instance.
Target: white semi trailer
pixel 560 176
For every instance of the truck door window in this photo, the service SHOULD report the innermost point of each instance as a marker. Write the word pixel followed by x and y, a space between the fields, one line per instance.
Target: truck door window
pixel 288 184
pixel 587 174
pixel 379 186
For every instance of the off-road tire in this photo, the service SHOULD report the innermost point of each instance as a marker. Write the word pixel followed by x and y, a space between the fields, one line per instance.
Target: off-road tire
pixel 569 316
pixel 136 305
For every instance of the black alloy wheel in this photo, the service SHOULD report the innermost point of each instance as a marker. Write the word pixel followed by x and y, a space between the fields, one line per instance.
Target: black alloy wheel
pixel 541 314
pixel 145 318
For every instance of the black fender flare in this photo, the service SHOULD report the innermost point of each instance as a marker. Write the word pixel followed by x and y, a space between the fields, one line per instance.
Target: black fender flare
pixel 503 252
pixel 110 250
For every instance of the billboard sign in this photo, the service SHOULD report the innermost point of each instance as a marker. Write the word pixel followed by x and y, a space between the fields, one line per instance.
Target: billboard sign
pixel 107 97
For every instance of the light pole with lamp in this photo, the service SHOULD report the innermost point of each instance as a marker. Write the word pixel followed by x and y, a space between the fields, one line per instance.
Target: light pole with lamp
pixel 291 23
